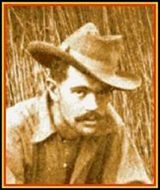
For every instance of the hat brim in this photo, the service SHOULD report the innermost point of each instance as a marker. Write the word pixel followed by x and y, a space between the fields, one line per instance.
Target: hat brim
pixel 44 53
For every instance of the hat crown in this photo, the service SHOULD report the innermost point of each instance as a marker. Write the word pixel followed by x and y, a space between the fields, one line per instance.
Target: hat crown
pixel 102 52
pixel 88 28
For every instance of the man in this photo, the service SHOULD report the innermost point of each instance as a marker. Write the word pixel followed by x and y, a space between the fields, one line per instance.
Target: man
pixel 72 134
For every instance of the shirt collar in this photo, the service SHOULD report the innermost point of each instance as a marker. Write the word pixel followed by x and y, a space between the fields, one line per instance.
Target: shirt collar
pixel 46 126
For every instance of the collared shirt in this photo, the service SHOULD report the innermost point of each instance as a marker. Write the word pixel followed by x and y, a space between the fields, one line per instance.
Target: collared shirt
pixel 37 154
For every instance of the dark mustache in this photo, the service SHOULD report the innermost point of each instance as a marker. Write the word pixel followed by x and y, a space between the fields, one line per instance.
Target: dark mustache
pixel 89 115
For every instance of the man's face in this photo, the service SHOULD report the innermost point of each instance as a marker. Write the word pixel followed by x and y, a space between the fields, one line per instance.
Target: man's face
pixel 83 102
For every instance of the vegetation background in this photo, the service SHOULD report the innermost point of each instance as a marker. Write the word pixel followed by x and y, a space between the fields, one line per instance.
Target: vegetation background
pixel 25 77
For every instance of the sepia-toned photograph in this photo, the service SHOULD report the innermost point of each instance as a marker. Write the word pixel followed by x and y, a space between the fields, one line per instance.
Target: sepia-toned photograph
pixel 80 94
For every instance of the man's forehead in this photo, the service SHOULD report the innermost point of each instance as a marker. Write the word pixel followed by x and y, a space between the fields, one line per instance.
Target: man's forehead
pixel 77 78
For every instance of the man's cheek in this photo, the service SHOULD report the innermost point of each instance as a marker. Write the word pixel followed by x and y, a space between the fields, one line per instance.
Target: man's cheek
pixel 71 109
pixel 75 111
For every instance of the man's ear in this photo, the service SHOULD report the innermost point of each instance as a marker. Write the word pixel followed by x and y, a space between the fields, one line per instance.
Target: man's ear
pixel 52 88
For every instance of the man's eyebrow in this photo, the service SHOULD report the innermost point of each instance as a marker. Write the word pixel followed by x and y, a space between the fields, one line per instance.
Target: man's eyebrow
pixel 80 88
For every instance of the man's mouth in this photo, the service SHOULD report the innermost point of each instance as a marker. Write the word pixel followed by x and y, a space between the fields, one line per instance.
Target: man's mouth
pixel 89 118
pixel 90 122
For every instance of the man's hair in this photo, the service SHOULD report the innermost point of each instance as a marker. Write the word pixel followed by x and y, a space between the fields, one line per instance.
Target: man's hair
pixel 58 70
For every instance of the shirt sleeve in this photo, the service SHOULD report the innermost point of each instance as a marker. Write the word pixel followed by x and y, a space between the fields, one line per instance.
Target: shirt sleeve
pixel 14 152
pixel 123 164
pixel 131 168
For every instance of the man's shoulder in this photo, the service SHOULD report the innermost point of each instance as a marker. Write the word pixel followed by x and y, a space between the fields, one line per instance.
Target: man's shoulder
pixel 20 112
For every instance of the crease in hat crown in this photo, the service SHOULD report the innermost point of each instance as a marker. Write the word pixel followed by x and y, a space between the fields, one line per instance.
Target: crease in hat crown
pixel 86 48
pixel 89 28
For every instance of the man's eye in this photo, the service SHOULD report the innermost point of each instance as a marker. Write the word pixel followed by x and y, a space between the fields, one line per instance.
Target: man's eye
pixel 81 93
pixel 104 92
pixel 101 92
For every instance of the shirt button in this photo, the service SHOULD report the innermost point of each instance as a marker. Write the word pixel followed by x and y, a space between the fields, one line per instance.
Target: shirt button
pixel 64 141
pixel 65 165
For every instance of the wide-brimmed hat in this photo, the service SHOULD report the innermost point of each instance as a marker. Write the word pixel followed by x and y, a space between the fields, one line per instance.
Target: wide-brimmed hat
pixel 85 49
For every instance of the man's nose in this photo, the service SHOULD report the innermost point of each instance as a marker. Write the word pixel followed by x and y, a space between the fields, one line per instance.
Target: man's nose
pixel 90 102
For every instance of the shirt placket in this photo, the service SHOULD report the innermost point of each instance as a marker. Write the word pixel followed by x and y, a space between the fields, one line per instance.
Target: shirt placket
pixel 69 156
